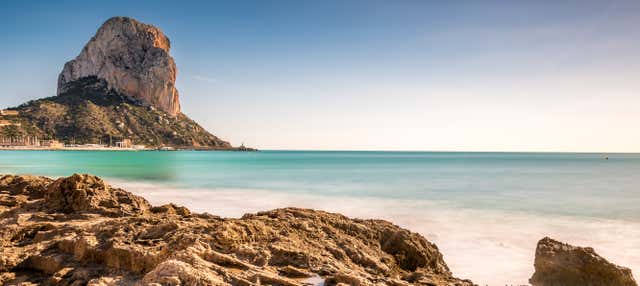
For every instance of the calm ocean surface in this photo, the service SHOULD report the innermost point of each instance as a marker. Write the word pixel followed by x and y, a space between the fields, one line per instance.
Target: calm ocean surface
pixel 485 210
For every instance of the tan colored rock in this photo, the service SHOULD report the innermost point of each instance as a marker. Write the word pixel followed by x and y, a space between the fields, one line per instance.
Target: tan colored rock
pixel 133 58
pixel 30 186
pixel 49 264
pixel 84 232
pixel 560 264
pixel 80 193
pixel 175 272
pixel 294 272
pixel 171 209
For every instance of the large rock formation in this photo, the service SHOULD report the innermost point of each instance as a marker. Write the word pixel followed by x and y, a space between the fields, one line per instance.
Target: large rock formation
pixel 560 264
pixel 133 58
pixel 121 86
pixel 80 231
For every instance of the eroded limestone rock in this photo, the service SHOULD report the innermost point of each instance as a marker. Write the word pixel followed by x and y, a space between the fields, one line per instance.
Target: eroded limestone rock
pixel 560 264
pixel 80 231
pixel 80 193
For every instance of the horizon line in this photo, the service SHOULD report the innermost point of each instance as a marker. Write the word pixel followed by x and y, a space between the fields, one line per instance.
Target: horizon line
pixel 450 151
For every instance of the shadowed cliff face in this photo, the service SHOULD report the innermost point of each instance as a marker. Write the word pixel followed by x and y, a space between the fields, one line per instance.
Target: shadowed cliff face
pixel 133 58
pixel 80 231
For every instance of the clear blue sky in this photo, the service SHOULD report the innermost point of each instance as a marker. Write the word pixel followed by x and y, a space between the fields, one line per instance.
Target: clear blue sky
pixel 381 75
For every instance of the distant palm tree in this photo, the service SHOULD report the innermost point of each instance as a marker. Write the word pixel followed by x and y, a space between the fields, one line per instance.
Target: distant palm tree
pixel 11 132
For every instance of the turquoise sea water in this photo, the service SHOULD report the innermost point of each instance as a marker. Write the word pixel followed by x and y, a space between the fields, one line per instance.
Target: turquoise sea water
pixel 551 183
pixel 474 205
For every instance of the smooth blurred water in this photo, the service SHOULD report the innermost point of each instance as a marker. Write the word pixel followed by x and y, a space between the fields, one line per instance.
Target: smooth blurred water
pixel 547 183
pixel 485 211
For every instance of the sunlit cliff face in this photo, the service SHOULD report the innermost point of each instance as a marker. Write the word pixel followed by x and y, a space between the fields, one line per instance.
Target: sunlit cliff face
pixel 133 58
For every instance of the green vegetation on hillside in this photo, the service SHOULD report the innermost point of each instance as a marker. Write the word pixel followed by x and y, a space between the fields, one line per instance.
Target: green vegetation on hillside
pixel 90 113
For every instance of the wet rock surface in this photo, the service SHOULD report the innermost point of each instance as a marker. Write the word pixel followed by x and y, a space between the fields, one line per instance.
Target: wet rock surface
pixel 80 231
pixel 561 264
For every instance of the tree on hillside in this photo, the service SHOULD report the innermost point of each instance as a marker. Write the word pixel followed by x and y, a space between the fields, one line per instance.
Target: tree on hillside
pixel 11 131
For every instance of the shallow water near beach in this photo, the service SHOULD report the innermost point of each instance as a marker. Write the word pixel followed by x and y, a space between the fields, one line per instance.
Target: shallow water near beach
pixel 485 211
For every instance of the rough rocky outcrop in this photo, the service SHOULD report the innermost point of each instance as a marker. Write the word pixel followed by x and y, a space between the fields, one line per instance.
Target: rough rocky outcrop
pixel 86 193
pixel 80 231
pixel 560 264
pixel 133 58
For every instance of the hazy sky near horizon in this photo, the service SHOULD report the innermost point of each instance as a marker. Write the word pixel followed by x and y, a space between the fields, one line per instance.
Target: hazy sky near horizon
pixel 370 75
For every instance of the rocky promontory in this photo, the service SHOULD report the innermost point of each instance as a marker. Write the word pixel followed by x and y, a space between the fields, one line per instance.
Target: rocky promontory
pixel 120 88
pixel 80 231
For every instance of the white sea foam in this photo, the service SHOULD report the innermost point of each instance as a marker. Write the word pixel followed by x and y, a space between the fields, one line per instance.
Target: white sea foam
pixel 488 246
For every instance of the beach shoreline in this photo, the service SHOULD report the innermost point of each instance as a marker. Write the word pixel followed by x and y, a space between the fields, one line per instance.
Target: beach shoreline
pixel 235 149
pixel 71 149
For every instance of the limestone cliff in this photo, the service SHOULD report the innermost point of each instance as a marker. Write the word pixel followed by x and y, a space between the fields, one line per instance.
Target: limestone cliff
pixel 133 58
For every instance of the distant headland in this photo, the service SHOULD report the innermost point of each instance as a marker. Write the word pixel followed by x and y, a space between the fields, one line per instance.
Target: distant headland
pixel 118 94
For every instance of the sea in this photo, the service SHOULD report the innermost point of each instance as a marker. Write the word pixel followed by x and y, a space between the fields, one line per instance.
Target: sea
pixel 485 210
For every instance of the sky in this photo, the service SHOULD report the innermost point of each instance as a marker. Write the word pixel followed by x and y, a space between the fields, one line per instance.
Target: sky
pixel 369 75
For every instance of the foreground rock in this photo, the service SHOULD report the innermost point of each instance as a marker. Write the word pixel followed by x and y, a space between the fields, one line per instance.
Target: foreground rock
pixel 560 264
pixel 80 231
pixel 133 58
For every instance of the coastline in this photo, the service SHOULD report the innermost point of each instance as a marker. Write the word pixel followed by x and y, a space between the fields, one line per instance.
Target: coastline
pixel 490 247
pixel 237 149
pixel 488 243
pixel 71 149
pixel 78 229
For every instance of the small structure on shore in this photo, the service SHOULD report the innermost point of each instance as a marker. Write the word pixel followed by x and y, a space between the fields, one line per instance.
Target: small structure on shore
pixel 125 143
pixel 9 112
pixel 138 147
pixel 11 139
pixel 54 144
pixel 7 123
pixel 15 140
